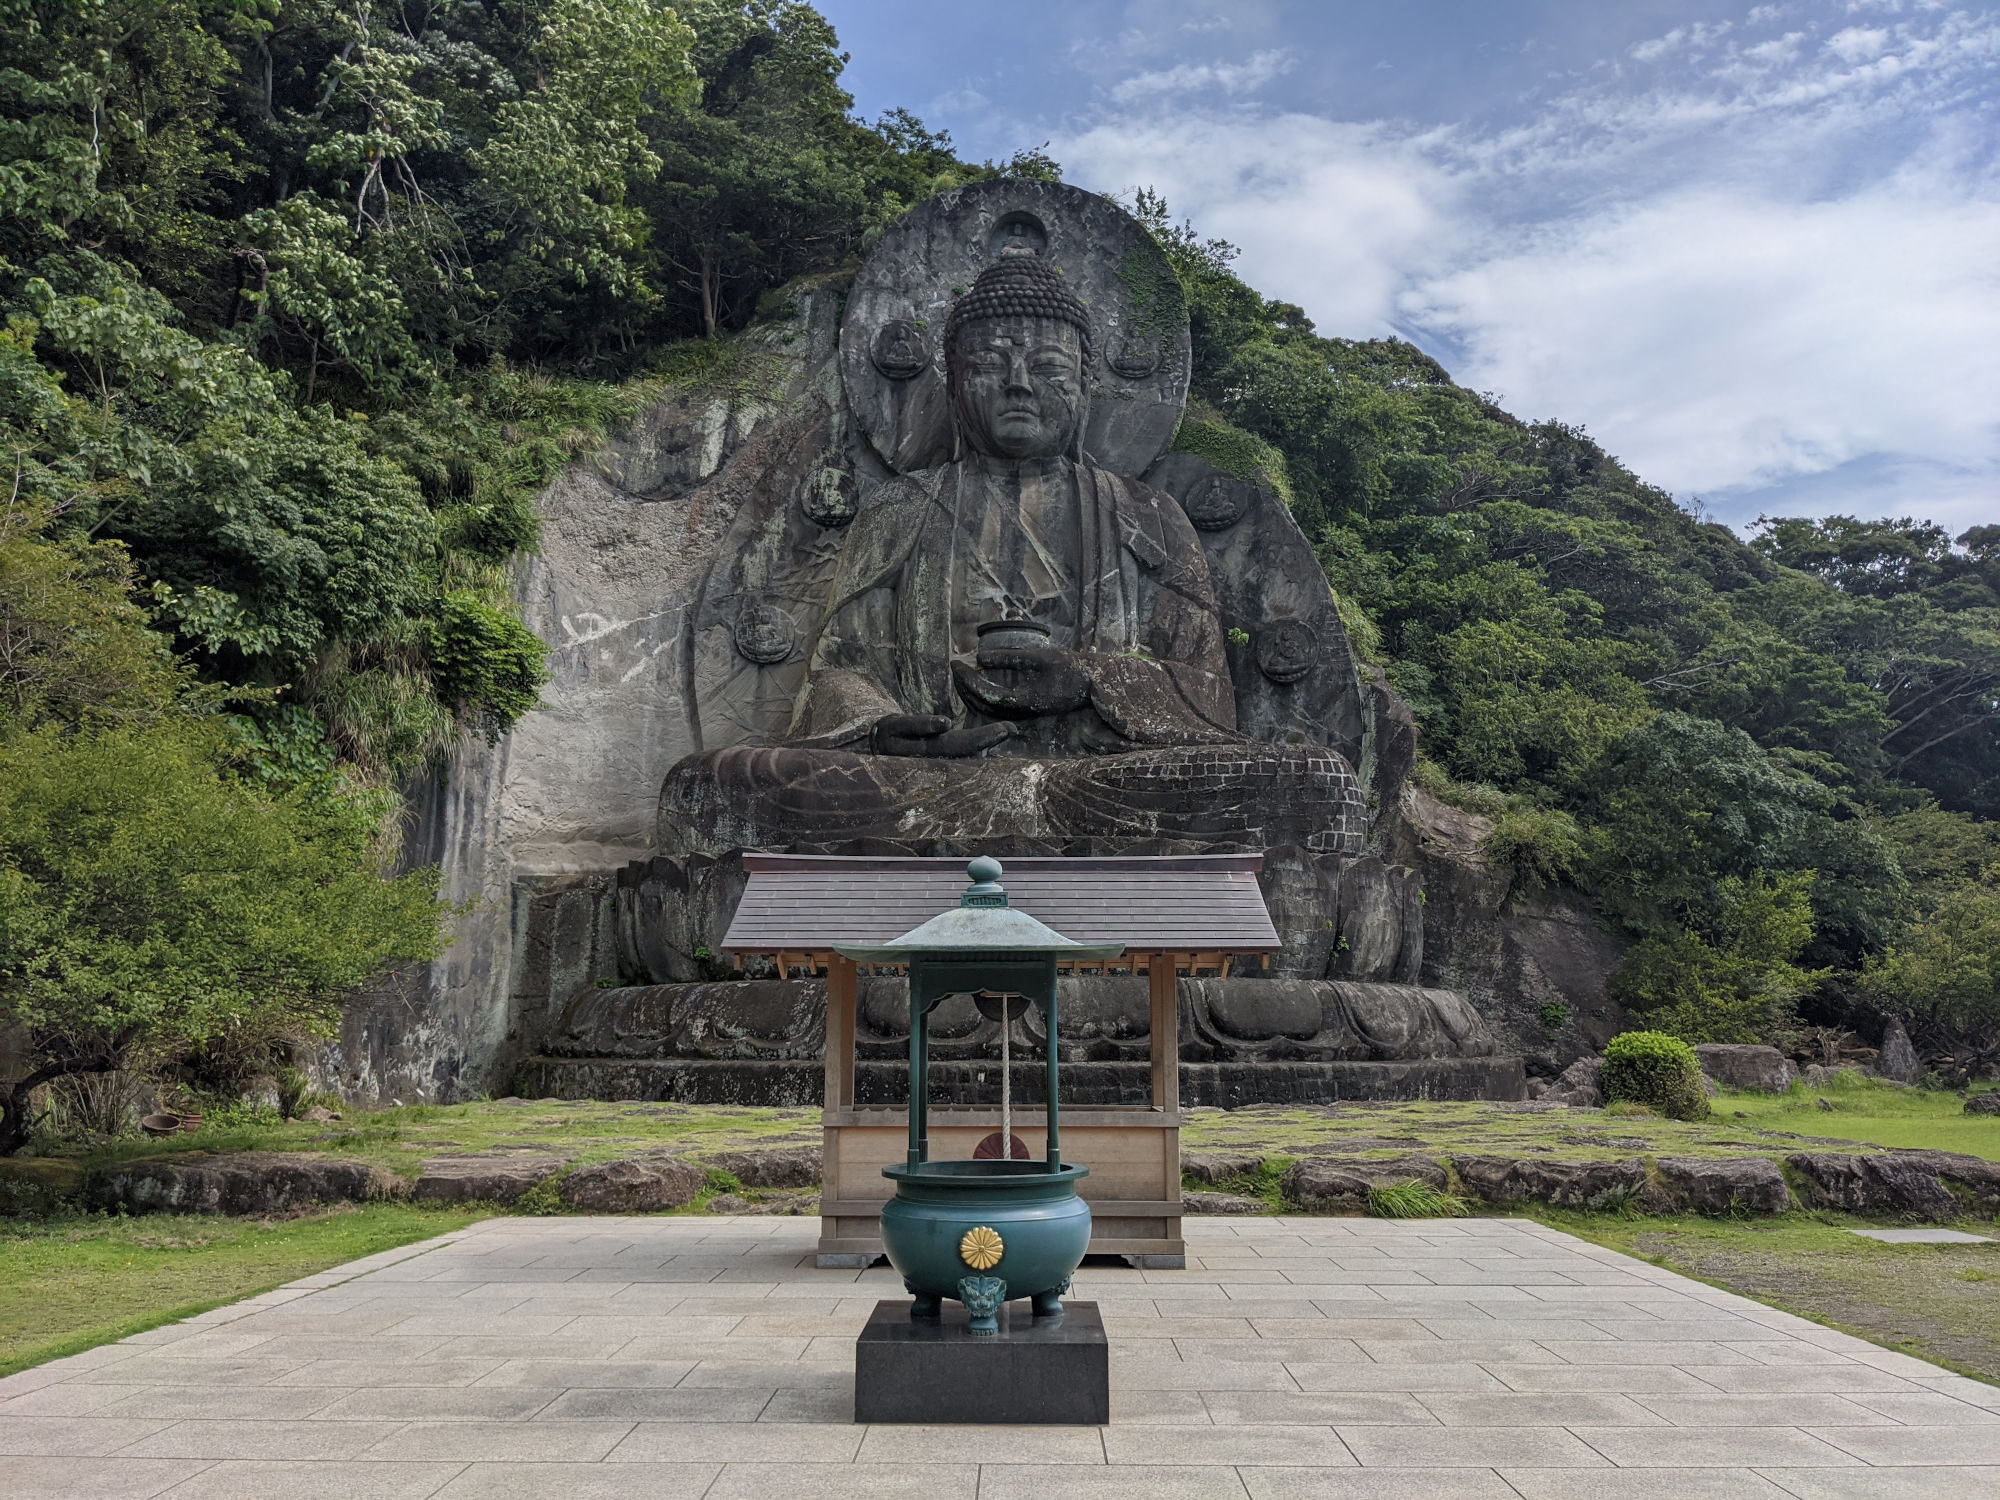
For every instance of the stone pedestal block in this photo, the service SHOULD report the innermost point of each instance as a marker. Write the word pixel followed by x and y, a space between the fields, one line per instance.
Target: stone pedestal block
pixel 1035 1370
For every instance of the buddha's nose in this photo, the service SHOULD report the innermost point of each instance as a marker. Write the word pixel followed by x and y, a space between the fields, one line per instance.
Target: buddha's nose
pixel 1017 373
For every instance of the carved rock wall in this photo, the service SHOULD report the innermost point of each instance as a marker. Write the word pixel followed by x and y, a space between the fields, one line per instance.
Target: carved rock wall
pixel 528 830
pixel 1508 952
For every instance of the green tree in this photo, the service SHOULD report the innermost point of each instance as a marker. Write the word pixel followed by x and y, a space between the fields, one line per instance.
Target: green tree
pixel 150 904
pixel 1732 976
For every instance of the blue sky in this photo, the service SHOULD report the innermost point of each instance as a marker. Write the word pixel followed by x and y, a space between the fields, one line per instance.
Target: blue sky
pixel 1755 249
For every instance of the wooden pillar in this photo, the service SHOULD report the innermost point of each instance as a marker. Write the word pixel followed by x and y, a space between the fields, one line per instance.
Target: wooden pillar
pixel 1164 991
pixel 840 990
pixel 1163 988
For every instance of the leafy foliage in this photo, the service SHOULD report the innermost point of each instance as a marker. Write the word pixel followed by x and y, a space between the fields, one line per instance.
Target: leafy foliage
pixel 1656 1070
pixel 151 904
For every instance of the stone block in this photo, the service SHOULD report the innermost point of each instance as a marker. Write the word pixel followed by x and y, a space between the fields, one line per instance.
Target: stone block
pixel 1222 1203
pixel 1341 1184
pixel 1763 1069
pixel 1886 1186
pixel 38 1185
pixel 1581 1085
pixel 786 1167
pixel 249 1182
pixel 484 1177
pixel 1218 1166
pixel 1747 1184
pixel 1561 1184
pixel 1974 1176
pixel 1033 1371
pixel 1899 1062
pixel 640 1185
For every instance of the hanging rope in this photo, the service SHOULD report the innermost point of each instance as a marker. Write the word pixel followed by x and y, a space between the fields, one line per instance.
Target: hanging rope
pixel 1006 1079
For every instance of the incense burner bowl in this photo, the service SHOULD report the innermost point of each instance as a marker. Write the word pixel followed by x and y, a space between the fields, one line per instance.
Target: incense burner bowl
pixel 985 1232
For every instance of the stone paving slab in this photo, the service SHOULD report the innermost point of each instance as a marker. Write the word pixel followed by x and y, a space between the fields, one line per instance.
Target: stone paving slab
pixel 710 1359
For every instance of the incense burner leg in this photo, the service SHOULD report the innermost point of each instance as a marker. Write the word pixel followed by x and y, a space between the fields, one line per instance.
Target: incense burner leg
pixel 982 1296
pixel 924 1306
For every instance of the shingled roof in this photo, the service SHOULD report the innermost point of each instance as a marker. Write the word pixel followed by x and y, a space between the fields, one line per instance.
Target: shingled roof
pixel 1152 904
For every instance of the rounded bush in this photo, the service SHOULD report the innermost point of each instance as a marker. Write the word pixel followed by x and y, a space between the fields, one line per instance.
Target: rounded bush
pixel 1658 1071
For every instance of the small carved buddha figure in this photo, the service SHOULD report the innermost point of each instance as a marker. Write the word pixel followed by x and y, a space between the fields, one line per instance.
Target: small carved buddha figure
pixel 1018 600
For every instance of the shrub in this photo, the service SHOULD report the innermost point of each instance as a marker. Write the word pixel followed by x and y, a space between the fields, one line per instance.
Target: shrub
pixel 1658 1071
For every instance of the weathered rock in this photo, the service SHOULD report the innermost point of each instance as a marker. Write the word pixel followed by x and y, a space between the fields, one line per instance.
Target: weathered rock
pixel 1987 1103
pixel 1746 1184
pixel 250 1182
pixel 1340 1184
pixel 1580 1086
pixel 786 1167
pixel 1764 1069
pixel 484 1176
pixel 638 1185
pixel 1218 1166
pixel 319 1114
pixel 1560 1184
pixel 1222 1203
pixel 1974 1176
pixel 1882 1186
pixel 734 1205
pixel 1508 951
pixel 1899 1062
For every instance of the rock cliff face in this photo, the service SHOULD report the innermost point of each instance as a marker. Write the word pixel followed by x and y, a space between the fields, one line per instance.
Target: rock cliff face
pixel 529 830
pixel 1513 953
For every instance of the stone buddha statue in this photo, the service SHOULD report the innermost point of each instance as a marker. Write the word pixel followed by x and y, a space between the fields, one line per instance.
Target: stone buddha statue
pixel 1019 600
pixel 1017 645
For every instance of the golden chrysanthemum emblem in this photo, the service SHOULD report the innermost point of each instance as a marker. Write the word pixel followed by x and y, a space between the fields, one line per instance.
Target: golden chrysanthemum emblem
pixel 981 1248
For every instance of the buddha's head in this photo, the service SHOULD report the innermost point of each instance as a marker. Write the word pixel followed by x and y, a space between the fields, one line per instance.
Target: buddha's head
pixel 1017 349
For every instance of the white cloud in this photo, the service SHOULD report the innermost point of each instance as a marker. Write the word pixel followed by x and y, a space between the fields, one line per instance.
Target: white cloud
pixel 1329 215
pixel 1720 341
pixel 1189 78
pixel 1859 43
pixel 1762 274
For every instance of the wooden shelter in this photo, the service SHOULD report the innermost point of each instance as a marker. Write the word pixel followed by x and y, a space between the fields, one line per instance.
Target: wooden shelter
pixel 1173 914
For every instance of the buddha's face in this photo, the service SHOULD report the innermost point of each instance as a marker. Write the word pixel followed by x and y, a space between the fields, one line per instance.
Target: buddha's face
pixel 1017 385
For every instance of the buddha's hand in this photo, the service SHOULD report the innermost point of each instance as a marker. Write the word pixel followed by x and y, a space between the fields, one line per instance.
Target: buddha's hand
pixel 1023 682
pixel 930 734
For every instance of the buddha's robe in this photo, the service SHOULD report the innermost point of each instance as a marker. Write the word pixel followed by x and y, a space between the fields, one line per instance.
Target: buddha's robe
pixel 1109 565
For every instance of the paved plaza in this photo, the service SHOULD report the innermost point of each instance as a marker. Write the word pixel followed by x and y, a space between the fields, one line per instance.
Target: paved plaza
pixel 668 1359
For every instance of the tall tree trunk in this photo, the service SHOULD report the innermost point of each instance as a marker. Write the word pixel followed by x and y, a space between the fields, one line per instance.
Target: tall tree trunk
pixel 710 292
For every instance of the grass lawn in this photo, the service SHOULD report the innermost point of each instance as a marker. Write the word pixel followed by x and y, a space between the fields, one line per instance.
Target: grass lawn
pixel 1857 1110
pixel 402 1138
pixel 1937 1302
pixel 72 1282
pixel 1865 1109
